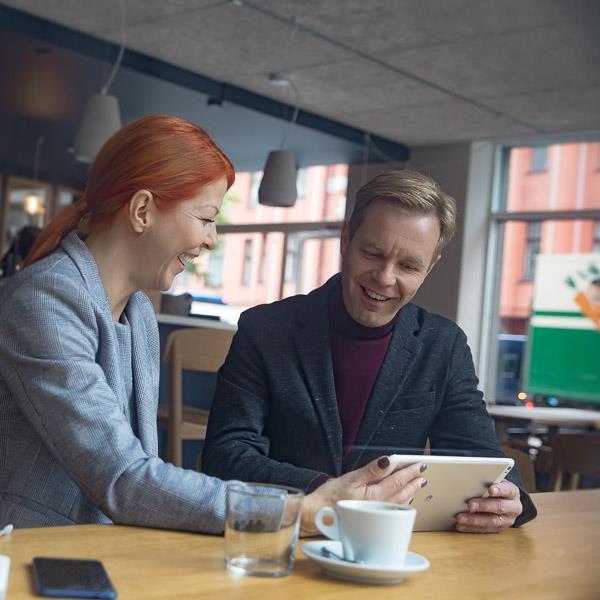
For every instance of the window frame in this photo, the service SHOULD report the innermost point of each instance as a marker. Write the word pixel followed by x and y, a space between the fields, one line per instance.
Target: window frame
pixel 494 176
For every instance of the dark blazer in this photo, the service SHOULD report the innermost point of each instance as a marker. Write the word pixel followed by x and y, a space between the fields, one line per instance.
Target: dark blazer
pixel 275 417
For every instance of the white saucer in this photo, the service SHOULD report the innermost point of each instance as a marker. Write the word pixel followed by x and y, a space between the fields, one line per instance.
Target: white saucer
pixel 373 574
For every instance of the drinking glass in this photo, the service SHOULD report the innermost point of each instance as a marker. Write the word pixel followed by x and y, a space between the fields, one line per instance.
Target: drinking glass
pixel 261 528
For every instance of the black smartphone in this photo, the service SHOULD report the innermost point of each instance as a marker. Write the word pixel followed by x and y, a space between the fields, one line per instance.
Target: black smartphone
pixel 70 578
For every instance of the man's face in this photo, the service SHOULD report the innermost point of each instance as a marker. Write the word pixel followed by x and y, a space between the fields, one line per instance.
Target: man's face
pixel 386 262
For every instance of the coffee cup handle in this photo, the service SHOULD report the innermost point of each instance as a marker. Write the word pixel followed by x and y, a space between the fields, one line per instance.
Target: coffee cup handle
pixel 331 531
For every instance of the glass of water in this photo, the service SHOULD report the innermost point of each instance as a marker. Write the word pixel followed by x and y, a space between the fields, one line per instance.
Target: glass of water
pixel 261 528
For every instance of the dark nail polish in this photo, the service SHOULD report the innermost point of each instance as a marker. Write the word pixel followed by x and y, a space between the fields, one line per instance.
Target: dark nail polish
pixel 423 467
pixel 383 462
pixel 424 483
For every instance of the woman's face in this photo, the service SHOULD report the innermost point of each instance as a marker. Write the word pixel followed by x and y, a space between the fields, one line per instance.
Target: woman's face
pixel 181 232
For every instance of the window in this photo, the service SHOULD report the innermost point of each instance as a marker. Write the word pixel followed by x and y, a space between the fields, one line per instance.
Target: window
pixel 305 237
pixel 254 185
pixel 214 275
pixel 263 258
pixel 247 263
pixel 302 182
pixel 291 258
pixel 543 341
pixel 539 158
pixel 532 248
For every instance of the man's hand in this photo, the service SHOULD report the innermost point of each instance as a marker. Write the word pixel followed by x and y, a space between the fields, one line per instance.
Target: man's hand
pixel 492 514
pixel 375 481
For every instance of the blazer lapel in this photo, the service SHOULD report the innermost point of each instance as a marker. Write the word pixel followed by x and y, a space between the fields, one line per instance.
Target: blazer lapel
pixel 399 360
pixel 143 379
pixel 313 343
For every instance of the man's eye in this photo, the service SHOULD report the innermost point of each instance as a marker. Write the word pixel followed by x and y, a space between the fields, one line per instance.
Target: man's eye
pixel 205 221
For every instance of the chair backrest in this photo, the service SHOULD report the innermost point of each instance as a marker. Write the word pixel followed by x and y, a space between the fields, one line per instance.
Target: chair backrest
pixel 197 349
pixel 190 349
pixel 576 454
pixel 524 465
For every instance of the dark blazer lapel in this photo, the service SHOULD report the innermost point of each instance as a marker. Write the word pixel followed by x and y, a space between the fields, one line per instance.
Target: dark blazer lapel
pixel 399 359
pixel 313 343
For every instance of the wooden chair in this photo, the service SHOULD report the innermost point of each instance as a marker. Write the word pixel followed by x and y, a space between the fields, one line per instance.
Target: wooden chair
pixel 576 454
pixel 193 349
pixel 524 464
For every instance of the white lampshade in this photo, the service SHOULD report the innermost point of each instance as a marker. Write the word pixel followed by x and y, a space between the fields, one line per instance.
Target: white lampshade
pixel 100 120
pixel 278 184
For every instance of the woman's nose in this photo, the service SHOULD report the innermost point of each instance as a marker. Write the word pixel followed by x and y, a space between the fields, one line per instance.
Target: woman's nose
pixel 211 238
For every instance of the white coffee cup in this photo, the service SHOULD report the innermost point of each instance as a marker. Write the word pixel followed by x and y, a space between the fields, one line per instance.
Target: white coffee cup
pixel 371 532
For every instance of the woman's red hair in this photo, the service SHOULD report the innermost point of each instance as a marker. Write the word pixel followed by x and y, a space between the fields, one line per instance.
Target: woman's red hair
pixel 168 156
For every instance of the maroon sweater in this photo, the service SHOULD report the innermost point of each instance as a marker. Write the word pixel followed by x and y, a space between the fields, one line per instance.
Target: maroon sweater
pixel 357 353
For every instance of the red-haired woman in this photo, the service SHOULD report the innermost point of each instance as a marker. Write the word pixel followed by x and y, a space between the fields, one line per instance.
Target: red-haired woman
pixel 79 346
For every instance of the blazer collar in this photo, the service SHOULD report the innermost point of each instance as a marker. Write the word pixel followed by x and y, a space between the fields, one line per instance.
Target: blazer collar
pixel 313 342
pixel 74 246
pixel 143 381
pixel 312 339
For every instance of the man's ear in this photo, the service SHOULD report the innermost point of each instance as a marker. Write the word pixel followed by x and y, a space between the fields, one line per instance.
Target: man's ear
pixel 140 210
pixel 433 263
pixel 344 238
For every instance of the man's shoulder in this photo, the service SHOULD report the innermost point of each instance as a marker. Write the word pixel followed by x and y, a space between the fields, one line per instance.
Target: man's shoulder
pixel 430 323
pixel 285 312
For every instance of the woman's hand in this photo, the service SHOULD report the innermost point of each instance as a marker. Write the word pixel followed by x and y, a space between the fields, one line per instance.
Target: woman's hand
pixel 375 481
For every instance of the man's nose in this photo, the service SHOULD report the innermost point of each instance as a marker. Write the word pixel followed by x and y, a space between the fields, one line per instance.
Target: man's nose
pixel 385 275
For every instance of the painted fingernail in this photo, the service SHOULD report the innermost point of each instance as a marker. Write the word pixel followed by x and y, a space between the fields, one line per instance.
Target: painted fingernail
pixel 411 500
pixel 423 482
pixel 423 467
pixel 474 507
pixel 383 462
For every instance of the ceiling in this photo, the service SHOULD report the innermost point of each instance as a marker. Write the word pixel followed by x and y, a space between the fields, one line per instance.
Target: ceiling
pixel 413 72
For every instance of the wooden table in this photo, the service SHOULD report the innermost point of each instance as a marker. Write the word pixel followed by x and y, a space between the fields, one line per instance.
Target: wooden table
pixel 555 556
pixel 552 417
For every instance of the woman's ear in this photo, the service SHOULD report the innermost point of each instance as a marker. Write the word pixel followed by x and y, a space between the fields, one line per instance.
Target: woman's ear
pixel 140 210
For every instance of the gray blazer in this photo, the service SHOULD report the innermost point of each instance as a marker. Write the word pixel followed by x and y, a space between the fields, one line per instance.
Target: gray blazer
pixel 275 418
pixel 68 453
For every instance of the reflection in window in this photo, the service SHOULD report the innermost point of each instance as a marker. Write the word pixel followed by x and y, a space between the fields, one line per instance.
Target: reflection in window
pixel 214 274
pixel 539 158
pixel 247 263
pixel 532 248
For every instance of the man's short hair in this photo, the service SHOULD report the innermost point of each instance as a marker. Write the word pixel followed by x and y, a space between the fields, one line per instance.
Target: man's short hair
pixel 410 191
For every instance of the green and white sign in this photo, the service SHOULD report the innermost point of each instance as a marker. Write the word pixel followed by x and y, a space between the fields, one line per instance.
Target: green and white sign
pixel 563 349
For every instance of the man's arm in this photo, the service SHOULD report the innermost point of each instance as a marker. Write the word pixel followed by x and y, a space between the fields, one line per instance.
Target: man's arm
pixel 463 423
pixel 237 444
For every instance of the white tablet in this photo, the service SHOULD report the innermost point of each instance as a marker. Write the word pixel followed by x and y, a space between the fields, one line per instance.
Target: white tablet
pixel 452 480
